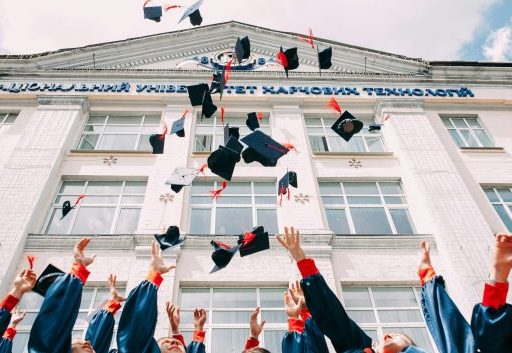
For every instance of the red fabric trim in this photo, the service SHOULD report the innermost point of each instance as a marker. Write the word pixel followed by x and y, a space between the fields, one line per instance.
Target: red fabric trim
pixel 155 278
pixel 112 306
pixel 252 343
pixel 305 314
pixel 307 267
pixel 295 325
pixel 281 58
pixel 31 260
pixel 10 333
pixel 180 338
pixel 80 272
pixel 248 238
pixel 199 336
pixel 9 302
pixel 368 350
pixel 495 295
pixel 426 274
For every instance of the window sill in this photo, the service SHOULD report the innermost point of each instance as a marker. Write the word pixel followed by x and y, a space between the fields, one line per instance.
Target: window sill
pixel 379 241
pixel 110 152
pixel 205 153
pixel 350 154
pixel 483 149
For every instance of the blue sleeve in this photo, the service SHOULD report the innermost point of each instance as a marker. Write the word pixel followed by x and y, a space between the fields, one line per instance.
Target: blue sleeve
pixel 492 328
pixel 331 317
pixel 100 331
pixel 53 326
pixel 196 347
pixel 451 332
pixel 293 342
pixel 5 345
pixel 315 339
pixel 5 319
pixel 138 321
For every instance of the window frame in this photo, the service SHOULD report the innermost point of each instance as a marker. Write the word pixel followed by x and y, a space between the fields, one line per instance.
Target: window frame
pixel 4 125
pixel 471 130
pixel 507 206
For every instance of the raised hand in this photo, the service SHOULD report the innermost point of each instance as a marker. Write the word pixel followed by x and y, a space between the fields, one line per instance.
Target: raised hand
pixel 199 319
pixel 256 327
pixel 80 256
pixel 297 293
pixel 291 242
pixel 502 262
pixel 173 313
pixel 157 261
pixel 292 309
pixel 23 283
pixel 114 294
pixel 425 255
pixel 16 318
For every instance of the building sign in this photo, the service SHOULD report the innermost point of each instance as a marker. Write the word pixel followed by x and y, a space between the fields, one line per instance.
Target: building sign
pixel 126 87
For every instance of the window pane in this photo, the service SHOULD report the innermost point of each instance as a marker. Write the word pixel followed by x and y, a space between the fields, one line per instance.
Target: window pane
pixel 274 317
pixel 505 194
pixel 201 188
pixel 268 218
pixel 265 200
pixel 233 220
pixel 313 121
pixel 56 225
pixel 203 143
pixel 470 140
pixel 96 120
pixel 231 317
pixel 337 221
pixel 121 129
pixel 375 144
pixel 265 188
pixel 103 294
pixel 460 123
pixel 447 122
pixel 187 317
pixel 133 200
pixel 456 138
pixel 272 297
pixel 390 188
pixel 201 200
pixel 360 188
pixel 104 187
pixel 88 142
pixel 484 139
pixel 472 122
pixel 128 220
pixel 370 220
pixel 94 200
pixel 152 120
pixel 400 316
pixel 135 187
pixel 364 200
pixel 234 298
pixel 193 298
pixel 87 295
pixel 362 316
pixel 333 200
pixel 72 187
pixel 144 144
pixel 238 188
pixel 124 120
pixel 491 195
pixel 200 221
pixel 318 144
pixel 356 144
pixel 417 334
pixel 237 200
pixel 228 340
pixel 394 297
pixel 273 339
pixel 504 216
pixel 394 200
pixel 117 142
pixel 355 297
pixel 402 221
pixel 94 220
pixel 330 188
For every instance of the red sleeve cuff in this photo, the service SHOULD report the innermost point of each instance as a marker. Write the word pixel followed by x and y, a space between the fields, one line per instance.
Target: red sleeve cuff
pixel 10 333
pixel 426 274
pixel 80 272
pixel 495 295
pixel 307 267
pixel 112 306
pixel 198 336
pixel 305 314
pixel 155 278
pixel 295 325
pixel 9 302
pixel 251 343
pixel 180 338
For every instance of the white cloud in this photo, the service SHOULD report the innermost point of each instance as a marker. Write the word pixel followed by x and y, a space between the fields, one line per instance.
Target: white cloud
pixel 498 45
pixel 434 30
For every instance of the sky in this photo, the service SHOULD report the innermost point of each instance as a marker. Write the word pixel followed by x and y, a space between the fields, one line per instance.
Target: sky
pixel 470 30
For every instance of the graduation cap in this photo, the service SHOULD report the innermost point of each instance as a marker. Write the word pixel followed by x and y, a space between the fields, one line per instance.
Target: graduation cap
pixel 263 149
pixel 170 239
pixel 178 127
pixel 347 126
pixel 181 177
pixel 222 254
pixel 324 58
pixel 153 13
pixel 196 93
pixel 374 127
pixel 252 121
pixel 230 131
pixel 289 179
pixel 289 59
pixel 46 279
pixel 66 206
pixel 222 161
pixel 218 82
pixel 193 13
pixel 242 49
pixel 254 241
pixel 208 108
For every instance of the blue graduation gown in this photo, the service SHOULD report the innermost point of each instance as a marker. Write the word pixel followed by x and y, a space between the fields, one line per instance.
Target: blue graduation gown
pixel 5 345
pixel 100 331
pixel 196 347
pixel 8 303
pixel 312 340
pixel 492 328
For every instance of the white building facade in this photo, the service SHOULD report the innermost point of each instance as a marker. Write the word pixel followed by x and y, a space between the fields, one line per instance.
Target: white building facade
pixel 77 121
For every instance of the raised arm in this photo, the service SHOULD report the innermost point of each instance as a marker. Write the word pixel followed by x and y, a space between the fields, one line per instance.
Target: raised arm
pixel 10 333
pixel 197 344
pixel 255 330
pixel 23 283
pixel 323 304
pixel 294 341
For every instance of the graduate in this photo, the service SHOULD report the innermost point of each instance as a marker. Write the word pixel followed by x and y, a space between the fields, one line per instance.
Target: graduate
pixel 329 314
pixel 138 321
pixel 491 324
pixel 10 333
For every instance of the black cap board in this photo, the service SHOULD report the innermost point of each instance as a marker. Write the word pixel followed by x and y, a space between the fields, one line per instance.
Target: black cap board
pixel 181 177
pixel 196 93
pixel 208 107
pixel 222 255
pixel 222 161
pixel 230 131
pixel 66 208
pixel 347 126
pixel 289 58
pixel 242 49
pixel 374 127
pixel 170 239
pixel 218 82
pixel 324 59
pixel 157 142
pixel 252 121
pixel 289 179
pixel 253 242
pixel 153 13
pixel 193 13
pixel 263 149
pixel 178 127
pixel 46 279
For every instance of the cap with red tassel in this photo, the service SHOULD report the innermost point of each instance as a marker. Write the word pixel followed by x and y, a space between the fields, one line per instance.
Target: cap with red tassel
pixel 31 260
pixel 202 168
pixel 215 194
pixel 334 105
pixel 308 40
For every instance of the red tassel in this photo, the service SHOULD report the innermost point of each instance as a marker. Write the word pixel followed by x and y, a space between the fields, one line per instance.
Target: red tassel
pixel 146 2
pixel 80 197
pixel 334 105
pixel 215 194
pixel 285 151
pixel 248 238
pixel 281 59
pixel 259 116
pixel 222 245
pixel 222 114
pixel 310 40
pixel 387 117
pixel 185 113
pixel 228 71
pixel 162 136
pixel 168 7
pixel 290 147
pixel 31 260
pixel 288 192
pixel 280 200
pixel 202 168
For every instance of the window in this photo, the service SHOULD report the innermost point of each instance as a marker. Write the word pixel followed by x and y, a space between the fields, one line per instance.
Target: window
pixel 210 132
pixel 242 206
pixel 501 200
pixel 379 310
pixel 6 120
pixel 105 132
pixel 228 314
pixel 92 299
pixel 366 207
pixel 467 132
pixel 109 207
pixel 324 139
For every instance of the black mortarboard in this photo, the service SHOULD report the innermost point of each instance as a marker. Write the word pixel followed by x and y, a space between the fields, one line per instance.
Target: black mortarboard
pixel 66 208
pixel 181 177
pixel 263 149
pixel 196 93
pixel 222 255
pixel 243 49
pixel 324 59
pixel 170 239
pixel 157 142
pixel 230 131
pixel 252 121
pixel 218 82
pixel 153 13
pixel 208 107
pixel 374 127
pixel 194 14
pixel 290 60
pixel 178 127
pixel 347 126
pixel 222 161
pixel 46 279
pixel 254 241
pixel 289 179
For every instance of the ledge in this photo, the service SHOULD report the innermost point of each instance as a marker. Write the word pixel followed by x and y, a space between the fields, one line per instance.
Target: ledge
pixel 201 154
pixel 381 241
pixel 353 154
pixel 110 153
pixel 483 149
